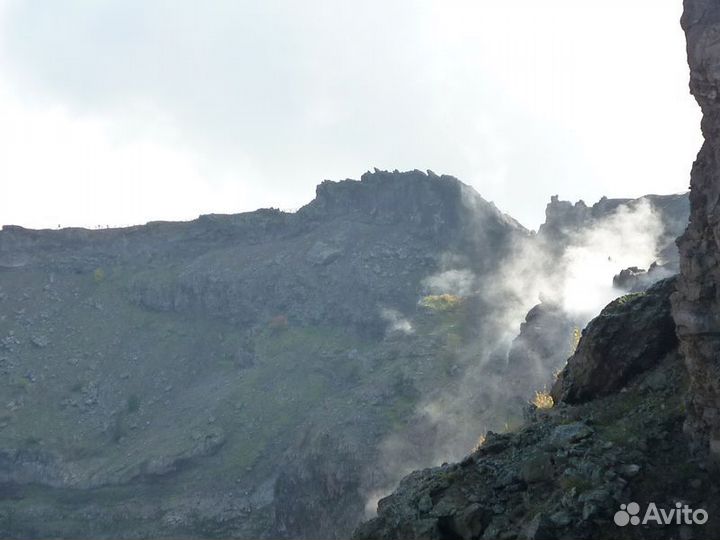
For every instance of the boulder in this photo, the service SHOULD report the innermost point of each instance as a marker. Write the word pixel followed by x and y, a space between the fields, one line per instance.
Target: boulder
pixel 630 335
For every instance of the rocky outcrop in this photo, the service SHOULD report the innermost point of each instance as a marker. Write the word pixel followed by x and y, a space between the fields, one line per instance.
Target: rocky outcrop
pixel 696 306
pixel 563 219
pixel 541 348
pixel 634 279
pixel 318 492
pixel 631 335
pixel 564 475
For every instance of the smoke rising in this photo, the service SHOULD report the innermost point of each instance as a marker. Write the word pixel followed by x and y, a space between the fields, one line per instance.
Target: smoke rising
pixel 628 237
pixel 396 321
pixel 571 271
pixel 455 281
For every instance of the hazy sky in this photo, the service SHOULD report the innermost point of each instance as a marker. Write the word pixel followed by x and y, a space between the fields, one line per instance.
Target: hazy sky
pixel 119 112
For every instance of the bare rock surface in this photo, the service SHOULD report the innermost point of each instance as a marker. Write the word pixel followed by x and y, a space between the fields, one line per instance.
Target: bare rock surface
pixel 696 306
pixel 632 334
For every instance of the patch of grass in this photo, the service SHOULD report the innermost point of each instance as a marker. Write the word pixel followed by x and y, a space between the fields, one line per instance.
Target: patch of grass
pixel 479 443
pixel 575 340
pixel 626 298
pixel 441 302
pixel 543 400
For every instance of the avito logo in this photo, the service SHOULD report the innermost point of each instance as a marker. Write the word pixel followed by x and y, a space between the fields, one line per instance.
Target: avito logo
pixel 629 514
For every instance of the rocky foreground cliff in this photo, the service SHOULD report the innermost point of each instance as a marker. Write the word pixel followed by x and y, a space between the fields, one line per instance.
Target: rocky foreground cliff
pixel 250 375
pixel 696 304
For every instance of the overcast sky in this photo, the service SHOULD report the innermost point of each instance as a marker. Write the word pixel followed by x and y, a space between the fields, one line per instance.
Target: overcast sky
pixel 122 111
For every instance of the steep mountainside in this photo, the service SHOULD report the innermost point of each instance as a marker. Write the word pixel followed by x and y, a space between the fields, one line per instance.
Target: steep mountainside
pixel 231 375
pixel 252 375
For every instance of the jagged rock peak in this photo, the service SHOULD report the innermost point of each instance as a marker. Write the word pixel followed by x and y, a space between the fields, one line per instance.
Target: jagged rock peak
pixel 413 196
pixel 562 217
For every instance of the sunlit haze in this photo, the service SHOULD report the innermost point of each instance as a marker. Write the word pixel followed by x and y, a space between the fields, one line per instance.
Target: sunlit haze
pixel 117 113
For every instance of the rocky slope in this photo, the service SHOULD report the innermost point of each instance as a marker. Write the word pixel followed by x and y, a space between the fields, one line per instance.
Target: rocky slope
pixel 607 442
pixel 696 306
pixel 208 378
pixel 244 375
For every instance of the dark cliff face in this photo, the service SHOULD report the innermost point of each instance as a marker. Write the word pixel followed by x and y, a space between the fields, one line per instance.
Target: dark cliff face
pixel 696 306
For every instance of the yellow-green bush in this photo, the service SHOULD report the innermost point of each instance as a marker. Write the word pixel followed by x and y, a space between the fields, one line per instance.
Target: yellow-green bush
pixel 543 400
pixel 441 302
pixel 575 339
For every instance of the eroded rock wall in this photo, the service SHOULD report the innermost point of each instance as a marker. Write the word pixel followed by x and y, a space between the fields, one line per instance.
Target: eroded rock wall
pixel 696 305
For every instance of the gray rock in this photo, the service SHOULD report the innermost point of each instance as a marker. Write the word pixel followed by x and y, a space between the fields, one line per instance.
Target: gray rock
pixel 567 434
pixel 538 468
pixel 40 341
pixel 631 335
pixel 629 471
pixel 561 518
pixel 696 305
pixel 323 254
pixel 600 495
pixel 540 528
pixel 425 504
pixel 470 522
pixel 589 510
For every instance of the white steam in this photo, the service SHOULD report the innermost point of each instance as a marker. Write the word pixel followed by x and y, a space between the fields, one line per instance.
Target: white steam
pixel 577 276
pixel 628 237
pixel 455 281
pixel 396 321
